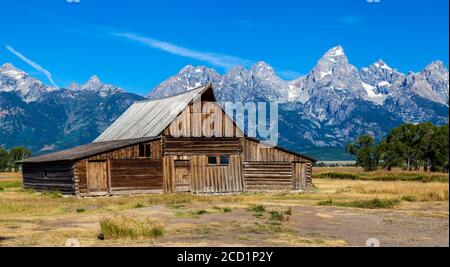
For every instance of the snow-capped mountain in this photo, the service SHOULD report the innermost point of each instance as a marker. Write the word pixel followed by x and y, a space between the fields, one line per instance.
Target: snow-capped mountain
pixel 17 81
pixel 326 108
pixel 381 77
pixel 47 119
pixel 95 85
pixel 334 102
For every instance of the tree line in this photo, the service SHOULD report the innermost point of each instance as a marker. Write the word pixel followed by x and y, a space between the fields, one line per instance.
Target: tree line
pixel 9 158
pixel 410 146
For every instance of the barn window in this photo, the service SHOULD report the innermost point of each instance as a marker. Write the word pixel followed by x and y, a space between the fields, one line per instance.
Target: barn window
pixel 212 160
pixel 144 151
pixel 219 160
pixel 224 160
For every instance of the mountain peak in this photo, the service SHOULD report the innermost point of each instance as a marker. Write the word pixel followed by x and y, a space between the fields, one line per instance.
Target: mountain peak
pixel 381 65
pixel 436 65
pixel 73 86
pixel 262 68
pixel 94 80
pixel 9 70
pixel 262 64
pixel 335 52
pixel 187 68
pixel 7 66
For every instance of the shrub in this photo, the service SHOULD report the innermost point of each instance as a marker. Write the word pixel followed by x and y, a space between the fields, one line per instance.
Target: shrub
pixel 409 198
pixel 337 175
pixel 138 206
pixel 227 210
pixel 130 227
pixel 201 212
pixel 364 204
pixel 80 210
pixel 14 184
pixel 257 208
pixel 289 212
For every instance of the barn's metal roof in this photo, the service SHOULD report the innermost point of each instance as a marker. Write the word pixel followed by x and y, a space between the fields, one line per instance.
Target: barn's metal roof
pixel 149 118
pixel 85 151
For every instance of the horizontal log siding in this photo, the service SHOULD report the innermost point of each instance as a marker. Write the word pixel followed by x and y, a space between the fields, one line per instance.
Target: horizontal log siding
pixel 128 175
pixel 187 146
pixel 59 178
pixel 127 153
pixel 262 176
pixel 256 152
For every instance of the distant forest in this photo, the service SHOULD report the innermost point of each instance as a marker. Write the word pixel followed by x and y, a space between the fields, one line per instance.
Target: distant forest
pixel 8 158
pixel 410 146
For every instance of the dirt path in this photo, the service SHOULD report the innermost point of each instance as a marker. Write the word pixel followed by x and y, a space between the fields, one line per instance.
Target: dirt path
pixel 308 226
pixel 391 228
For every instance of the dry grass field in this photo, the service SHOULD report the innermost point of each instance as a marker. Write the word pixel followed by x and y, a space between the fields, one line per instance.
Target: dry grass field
pixel 410 210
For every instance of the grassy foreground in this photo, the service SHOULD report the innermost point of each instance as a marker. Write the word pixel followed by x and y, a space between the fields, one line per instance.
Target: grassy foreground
pixel 29 218
pixel 353 173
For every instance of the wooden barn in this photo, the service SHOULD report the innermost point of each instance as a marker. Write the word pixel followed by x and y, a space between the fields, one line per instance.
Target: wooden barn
pixel 142 153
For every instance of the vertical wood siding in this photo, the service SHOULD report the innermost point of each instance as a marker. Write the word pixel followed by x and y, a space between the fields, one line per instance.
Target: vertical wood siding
pixel 205 178
pixel 192 122
pixel 299 173
pixel 216 179
pixel 114 158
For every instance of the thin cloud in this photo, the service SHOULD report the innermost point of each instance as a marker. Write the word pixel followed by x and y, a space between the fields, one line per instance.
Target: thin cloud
pixel 215 59
pixel 32 64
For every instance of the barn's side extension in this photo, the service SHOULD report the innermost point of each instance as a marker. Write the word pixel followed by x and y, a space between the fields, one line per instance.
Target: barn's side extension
pixel 140 153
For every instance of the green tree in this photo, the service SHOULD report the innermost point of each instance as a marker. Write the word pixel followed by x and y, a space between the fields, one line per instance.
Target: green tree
pixel 4 159
pixel 426 132
pixel 439 149
pixel 365 152
pixel 16 154
pixel 390 154
pixel 406 141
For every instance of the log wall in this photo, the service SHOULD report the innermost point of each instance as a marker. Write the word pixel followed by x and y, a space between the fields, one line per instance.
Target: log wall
pixel 55 176
pixel 262 176
pixel 258 154
pixel 202 145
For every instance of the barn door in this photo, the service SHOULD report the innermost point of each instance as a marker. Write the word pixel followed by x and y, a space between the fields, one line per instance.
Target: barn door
pixel 182 176
pixel 97 177
pixel 299 176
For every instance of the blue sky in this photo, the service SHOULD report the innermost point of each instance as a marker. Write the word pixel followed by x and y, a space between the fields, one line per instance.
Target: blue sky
pixel 138 44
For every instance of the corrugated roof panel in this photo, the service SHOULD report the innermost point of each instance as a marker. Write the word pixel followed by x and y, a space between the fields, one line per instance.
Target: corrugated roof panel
pixel 149 118
pixel 85 151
